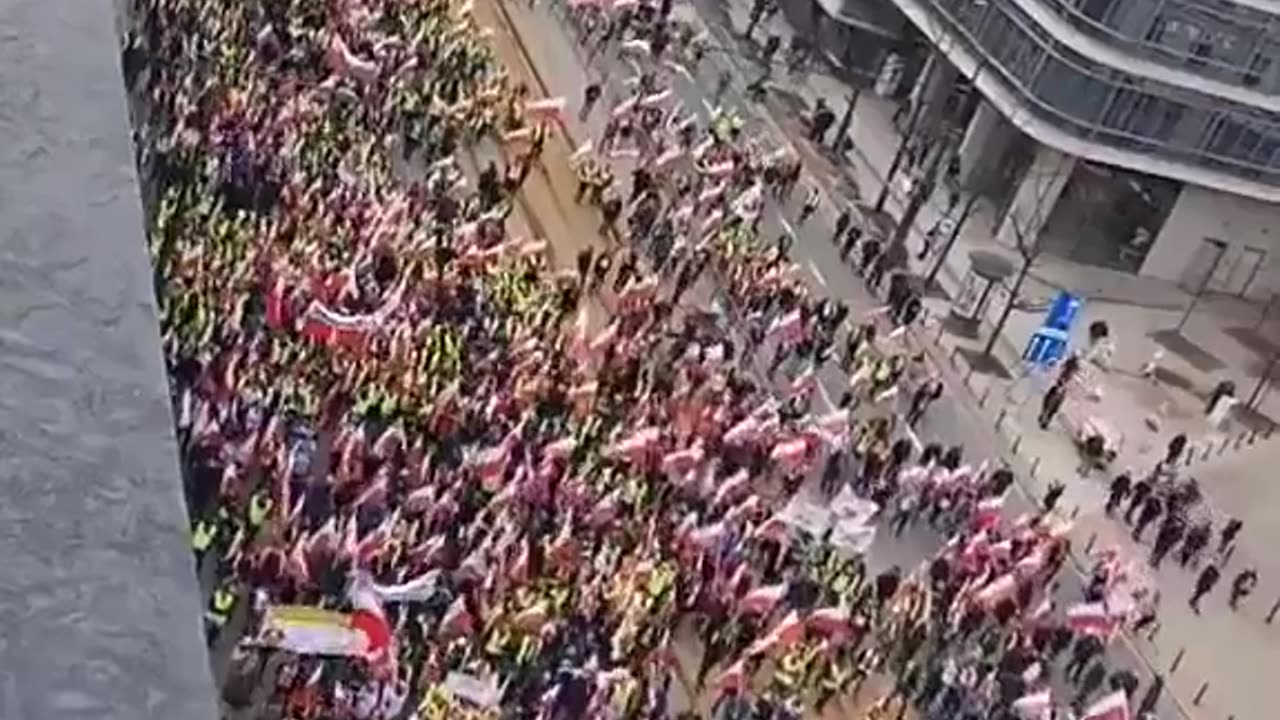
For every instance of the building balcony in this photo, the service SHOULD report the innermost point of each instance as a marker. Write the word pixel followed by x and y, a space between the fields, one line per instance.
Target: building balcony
pixel 1220 41
pixel 1083 107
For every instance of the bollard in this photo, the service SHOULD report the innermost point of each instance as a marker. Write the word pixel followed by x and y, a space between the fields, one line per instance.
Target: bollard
pixel 1035 462
pixel 1177 660
pixel 1208 450
pixel 1000 417
pixel 937 339
pixel 1270 429
pixel 986 395
pixel 951 358
pixel 1226 557
pixel 1191 455
pixel 1075 512
pixel 1017 443
pixel 1225 441
pixel 1274 609
pixel 1204 688
pixel 1088 547
pixel 1253 437
pixel 968 377
pixel 1239 441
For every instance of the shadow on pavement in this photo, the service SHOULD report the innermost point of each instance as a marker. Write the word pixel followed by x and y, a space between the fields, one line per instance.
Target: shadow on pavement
pixel 1178 344
pixel 985 364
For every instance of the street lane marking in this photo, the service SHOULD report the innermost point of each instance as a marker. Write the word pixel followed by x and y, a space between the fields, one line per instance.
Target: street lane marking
pixel 786 224
pixel 813 268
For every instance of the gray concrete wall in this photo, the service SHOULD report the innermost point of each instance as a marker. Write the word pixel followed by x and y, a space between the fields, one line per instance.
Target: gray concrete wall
pixel 99 610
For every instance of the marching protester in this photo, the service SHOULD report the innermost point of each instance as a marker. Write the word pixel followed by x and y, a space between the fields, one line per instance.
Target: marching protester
pixel 438 484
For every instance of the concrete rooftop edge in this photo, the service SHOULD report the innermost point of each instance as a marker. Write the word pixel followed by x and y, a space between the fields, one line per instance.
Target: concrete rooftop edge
pixel 98 595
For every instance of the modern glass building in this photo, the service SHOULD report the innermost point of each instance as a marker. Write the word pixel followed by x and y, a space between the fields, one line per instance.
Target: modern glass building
pixel 1176 99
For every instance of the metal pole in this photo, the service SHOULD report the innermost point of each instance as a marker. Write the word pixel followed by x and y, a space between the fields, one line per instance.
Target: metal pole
pixel 1256 395
pixel 845 121
pixel 912 120
pixel 1195 299
pixel 951 238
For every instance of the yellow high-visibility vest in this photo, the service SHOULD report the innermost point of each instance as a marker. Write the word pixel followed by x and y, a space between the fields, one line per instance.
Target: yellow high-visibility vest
pixel 259 506
pixel 203 535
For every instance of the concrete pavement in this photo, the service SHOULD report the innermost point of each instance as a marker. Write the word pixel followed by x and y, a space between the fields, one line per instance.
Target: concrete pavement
pixel 564 70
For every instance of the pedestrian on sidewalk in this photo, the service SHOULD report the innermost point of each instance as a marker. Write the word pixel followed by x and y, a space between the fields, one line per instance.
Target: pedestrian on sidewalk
pixel 590 96
pixel 1242 586
pixel 822 120
pixel 1170 533
pixel 1177 445
pixel 1053 495
pixel 924 396
pixel 811 201
pixel 1151 510
pixel 1119 491
pixel 1141 490
pixel 1090 683
pixel 842 224
pixel 851 238
pixel 1204 585
pixel 1051 404
pixel 1229 533
pixel 1196 541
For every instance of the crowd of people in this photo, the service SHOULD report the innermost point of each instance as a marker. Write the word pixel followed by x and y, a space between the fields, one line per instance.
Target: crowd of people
pixel 429 480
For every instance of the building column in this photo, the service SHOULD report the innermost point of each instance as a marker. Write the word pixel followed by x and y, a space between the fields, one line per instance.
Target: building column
pixel 1038 191
pixel 984 142
pixel 932 87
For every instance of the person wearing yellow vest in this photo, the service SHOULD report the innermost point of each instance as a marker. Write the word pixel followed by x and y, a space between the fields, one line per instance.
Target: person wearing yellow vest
pixel 260 506
pixel 202 537
pixel 221 605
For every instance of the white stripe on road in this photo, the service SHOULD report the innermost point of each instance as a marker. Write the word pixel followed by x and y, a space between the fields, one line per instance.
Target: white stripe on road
pixel 825 397
pixel 786 224
pixel 813 268
pixel 711 109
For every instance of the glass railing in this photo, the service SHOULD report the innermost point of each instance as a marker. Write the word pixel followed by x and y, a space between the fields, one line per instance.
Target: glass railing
pixel 1240 35
pixel 1101 105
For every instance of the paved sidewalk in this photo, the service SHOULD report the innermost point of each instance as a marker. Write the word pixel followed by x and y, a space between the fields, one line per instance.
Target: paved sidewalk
pixel 1227 650
pixel 948 421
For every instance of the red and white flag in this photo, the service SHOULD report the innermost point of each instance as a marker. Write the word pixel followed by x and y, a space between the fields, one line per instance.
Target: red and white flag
pixel 1092 619
pixel 762 600
pixel 1112 707
pixel 1034 706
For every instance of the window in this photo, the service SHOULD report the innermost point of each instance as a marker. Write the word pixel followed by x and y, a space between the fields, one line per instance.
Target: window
pixel 1096 9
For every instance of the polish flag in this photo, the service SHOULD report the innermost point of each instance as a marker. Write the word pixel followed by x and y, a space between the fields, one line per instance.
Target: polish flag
pixel 560 449
pixel 999 589
pixel 732 488
pixel 656 99
pixel 788 632
pixel 1034 706
pixel 369 619
pixel 635 446
pixel 830 621
pixel 987 513
pixel 1091 619
pixel 704 537
pixel 681 462
pixel 733 679
pixel 668 157
pixel 530 619
pixel 549 110
pixel 774 529
pixel 277 312
pixel 457 621
pixel 762 600
pixel 1112 707
pixel 790 453
pixel 623 108
pixel 743 433
pixel 491 464
pixel 788 328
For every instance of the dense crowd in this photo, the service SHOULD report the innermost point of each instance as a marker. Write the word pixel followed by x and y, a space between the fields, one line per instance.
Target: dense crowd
pixel 428 480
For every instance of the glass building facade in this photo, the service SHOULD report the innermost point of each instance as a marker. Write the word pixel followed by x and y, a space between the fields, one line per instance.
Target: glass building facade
pixel 1103 104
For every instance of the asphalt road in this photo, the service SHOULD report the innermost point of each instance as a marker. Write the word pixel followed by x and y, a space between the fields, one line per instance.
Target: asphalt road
pixel 953 419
